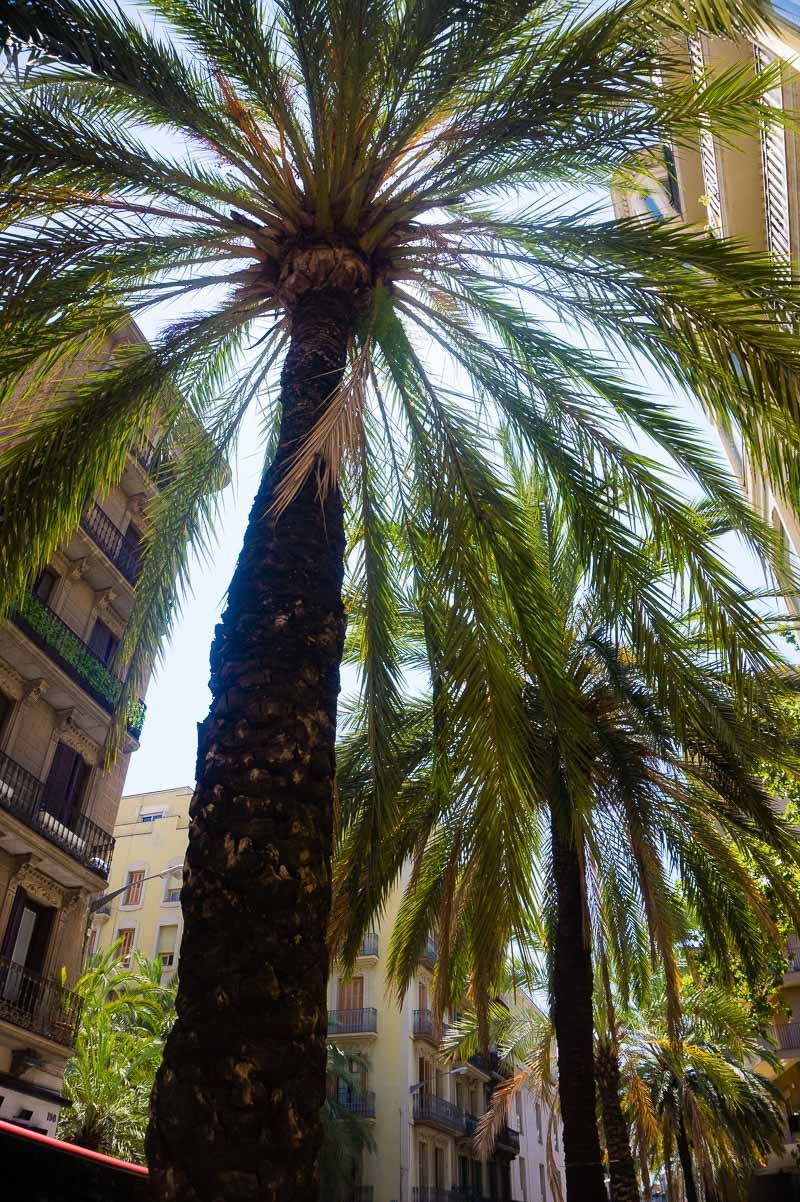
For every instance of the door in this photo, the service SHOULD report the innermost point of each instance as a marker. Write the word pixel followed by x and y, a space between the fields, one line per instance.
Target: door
pixel 463 1174
pixel 438 1168
pixel 422 996
pixel 103 642
pixel 351 994
pixel 66 781
pixel 23 950
pixel 477 1178
pixel 423 1168
pixel 132 549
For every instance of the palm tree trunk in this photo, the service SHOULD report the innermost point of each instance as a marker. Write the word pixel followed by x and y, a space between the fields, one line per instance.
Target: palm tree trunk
pixel 621 1167
pixel 685 1157
pixel 571 985
pixel 236 1105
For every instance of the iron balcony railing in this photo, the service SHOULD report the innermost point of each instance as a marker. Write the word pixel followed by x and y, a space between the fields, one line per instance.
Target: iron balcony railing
pixel 111 541
pixel 787 1036
pixel 38 1004
pixel 470 1124
pixel 25 797
pixel 428 1108
pixel 425 1027
pixel 353 1022
pixel 145 453
pixel 360 1102
pixel 507 1140
pixel 69 651
pixel 369 947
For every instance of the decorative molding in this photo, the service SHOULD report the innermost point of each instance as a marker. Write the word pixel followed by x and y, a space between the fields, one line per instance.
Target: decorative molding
pixel 136 505
pixel 73 899
pixel 77 568
pixel 40 887
pixel 11 682
pixel 71 734
pixel 34 690
pixel 104 597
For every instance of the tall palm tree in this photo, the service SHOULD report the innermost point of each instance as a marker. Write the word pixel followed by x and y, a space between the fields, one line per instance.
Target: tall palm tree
pixel 336 188
pixel 663 786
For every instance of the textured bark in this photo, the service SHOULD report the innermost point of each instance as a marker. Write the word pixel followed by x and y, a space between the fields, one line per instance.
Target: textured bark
pixel 574 1026
pixel 235 1108
pixel 687 1168
pixel 621 1167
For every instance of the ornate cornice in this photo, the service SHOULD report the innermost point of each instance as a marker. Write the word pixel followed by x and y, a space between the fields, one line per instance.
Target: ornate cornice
pixel 74 737
pixel 40 887
pixel 11 682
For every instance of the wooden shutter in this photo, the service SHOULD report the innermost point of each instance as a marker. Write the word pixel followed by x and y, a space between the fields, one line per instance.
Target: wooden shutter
pixel 66 782
pixel 351 994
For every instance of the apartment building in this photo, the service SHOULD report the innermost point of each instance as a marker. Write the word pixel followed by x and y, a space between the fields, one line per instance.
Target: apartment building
pixel 58 803
pixel 423 1113
pixel 748 188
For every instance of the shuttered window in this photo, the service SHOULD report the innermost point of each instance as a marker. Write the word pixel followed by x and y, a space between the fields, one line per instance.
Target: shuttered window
pixel 167 945
pixel 126 935
pixel 351 994
pixel 135 888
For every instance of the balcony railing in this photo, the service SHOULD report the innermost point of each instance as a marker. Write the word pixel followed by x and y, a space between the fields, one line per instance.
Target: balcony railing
pixel 787 1036
pixel 428 1108
pixel 425 1027
pixel 111 541
pixel 353 1022
pixel 38 1004
pixel 360 1102
pixel 64 646
pixel 145 453
pixel 430 1193
pixel 507 1140
pixel 369 947
pixel 25 797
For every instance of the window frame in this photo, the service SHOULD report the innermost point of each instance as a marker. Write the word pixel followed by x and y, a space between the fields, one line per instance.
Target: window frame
pixel 130 870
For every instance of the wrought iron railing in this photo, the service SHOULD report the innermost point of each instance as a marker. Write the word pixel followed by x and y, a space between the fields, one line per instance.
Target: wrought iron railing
pixel 356 1101
pixel 25 797
pixel 425 1026
pixel 508 1139
pixel 38 1004
pixel 369 945
pixel 787 1036
pixel 353 1022
pixel 145 453
pixel 432 1109
pixel 111 541
pixel 69 651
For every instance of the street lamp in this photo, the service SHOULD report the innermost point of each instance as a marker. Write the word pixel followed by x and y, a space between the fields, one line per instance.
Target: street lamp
pixel 100 901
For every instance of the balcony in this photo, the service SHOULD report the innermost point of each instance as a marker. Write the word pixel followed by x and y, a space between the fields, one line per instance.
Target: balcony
pixel 111 541
pixel 145 453
pixel 426 1028
pixel 787 1036
pixel 359 1102
pixel 507 1141
pixel 430 953
pixel 352 1022
pixel 369 947
pixel 24 797
pixel 64 647
pixel 438 1112
pixel 38 1004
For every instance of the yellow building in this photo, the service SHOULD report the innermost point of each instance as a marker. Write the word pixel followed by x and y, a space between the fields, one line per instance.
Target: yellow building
pixel 748 188
pixel 423 1115
pixel 58 805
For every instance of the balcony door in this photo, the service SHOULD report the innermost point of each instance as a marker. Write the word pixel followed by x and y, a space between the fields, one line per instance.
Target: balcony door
pixel 23 949
pixel 66 784
pixel 351 994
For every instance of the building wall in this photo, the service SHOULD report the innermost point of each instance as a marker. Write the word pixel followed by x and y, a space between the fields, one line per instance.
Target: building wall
pixel 55 845
pixel 393 1052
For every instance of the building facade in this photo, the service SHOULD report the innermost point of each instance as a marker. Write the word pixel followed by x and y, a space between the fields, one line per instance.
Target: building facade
pixel 423 1113
pixel 746 187
pixel 58 803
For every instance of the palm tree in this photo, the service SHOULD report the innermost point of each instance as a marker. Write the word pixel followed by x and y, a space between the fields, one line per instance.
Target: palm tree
pixel 336 187
pixel 125 1016
pixel 347 1133
pixel 663 786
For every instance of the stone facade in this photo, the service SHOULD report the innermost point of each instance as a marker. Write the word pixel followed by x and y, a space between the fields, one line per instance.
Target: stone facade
pixel 58 803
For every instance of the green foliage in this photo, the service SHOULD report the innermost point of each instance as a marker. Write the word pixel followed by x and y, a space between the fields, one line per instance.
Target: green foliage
pixel 125 1018
pixel 346 1136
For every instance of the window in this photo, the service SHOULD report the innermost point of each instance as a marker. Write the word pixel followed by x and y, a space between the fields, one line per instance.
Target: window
pixel 542 1183
pixel 90 942
pixel 66 782
pixel 422 995
pixel 539 1121
pixel 423 1166
pixel 523 1178
pixel 555 1134
pixel 520 1107
pixel 172 886
pixel 167 945
pixel 126 937
pixel 151 815
pixel 5 708
pixel 351 994
pixel 103 642
pixel 652 206
pixel 135 888
pixel 46 581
